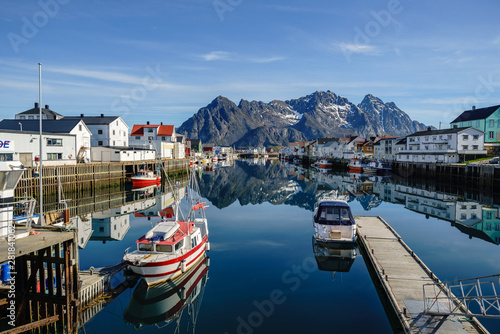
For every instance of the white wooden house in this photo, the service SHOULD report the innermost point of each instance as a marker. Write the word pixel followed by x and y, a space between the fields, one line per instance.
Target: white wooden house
pixel 443 146
pixel 109 131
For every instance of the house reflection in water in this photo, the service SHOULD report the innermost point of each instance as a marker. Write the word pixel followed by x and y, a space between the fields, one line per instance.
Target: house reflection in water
pixel 471 218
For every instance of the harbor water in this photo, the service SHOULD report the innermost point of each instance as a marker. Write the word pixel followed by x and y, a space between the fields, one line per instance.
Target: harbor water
pixel 265 274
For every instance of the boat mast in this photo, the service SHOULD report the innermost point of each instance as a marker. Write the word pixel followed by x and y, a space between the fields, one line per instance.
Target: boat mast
pixel 41 145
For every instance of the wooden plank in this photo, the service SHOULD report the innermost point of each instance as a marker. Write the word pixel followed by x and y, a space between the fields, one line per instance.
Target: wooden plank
pixel 33 325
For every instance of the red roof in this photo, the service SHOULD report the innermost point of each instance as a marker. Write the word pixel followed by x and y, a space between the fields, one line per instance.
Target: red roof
pixel 162 130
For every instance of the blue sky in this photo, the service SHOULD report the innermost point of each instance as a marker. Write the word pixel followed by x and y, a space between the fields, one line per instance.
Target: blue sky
pixel 162 60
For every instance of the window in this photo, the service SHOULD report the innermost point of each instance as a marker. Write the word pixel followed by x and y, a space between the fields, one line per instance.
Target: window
pixel 475 137
pixel 163 138
pixel 498 124
pixel 475 147
pixel 465 137
pixel 113 132
pixel 79 127
pixel 488 227
pixel 489 215
pixel 114 143
pixel 150 130
pixel 138 137
pixel 99 132
pixel 150 138
pixel 463 216
pixel 99 143
pixel 491 135
pixel 449 136
pixel 492 123
pixel 6 157
pixel 473 207
pixel 31 117
pixel 497 227
pixel 22 117
pixel 101 229
pixel 54 156
pixel 463 207
pixel 478 124
pixel 465 147
pixel 470 123
pixel 54 142
pixel 114 227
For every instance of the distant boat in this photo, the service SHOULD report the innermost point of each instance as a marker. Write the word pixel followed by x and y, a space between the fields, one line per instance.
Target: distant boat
pixel 324 164
pixel 357 165
pixel 333 221
pixel 145 178
pixel 173 245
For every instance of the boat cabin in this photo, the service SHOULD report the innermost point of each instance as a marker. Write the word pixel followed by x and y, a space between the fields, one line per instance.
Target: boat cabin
pixel 169 236
pixel 333 213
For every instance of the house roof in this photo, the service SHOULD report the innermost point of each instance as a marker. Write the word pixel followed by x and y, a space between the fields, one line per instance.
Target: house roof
pixel 441 132
pixel 163 130
pixel 46 111
pixel 322 141
pixel 96 120
pixel 476 114
pixel 48 125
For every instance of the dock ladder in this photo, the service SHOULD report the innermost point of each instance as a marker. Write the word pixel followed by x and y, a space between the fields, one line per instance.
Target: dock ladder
pixel 475 297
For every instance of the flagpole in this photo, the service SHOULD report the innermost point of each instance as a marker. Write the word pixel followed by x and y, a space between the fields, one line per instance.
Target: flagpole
pixel 40 159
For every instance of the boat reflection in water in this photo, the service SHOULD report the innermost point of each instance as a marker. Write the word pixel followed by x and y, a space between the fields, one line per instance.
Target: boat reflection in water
pixel 163 304
pixel 334 257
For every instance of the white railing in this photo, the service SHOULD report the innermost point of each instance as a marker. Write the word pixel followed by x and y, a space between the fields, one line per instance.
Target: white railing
pixel 476 297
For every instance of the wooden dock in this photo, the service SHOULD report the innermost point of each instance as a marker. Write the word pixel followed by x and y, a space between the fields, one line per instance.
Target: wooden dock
pixel 402 275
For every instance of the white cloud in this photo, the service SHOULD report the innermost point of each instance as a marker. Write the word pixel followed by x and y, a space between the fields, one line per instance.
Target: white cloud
pixel 216 55
pixel 266 60
pixel 358 48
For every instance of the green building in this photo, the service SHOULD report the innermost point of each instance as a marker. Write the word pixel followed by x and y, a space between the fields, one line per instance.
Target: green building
pixel 486 120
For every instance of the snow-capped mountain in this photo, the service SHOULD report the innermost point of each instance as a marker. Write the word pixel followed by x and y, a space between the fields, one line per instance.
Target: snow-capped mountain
pixel 320 114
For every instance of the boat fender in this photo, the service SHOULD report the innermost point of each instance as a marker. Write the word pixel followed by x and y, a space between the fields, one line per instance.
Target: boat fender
pixel 182 293
pixel 207 247
pixel 207 261
pixel 183 266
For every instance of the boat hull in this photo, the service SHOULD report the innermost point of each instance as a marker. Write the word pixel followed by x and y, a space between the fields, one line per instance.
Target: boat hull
pixel 160 269
pixel 140 182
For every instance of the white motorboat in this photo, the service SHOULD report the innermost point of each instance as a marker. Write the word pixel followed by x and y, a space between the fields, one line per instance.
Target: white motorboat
pixel 173 245
pixel 333 221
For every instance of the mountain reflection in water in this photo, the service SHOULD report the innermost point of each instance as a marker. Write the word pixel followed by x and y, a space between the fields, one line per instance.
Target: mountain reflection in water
pixel 272 182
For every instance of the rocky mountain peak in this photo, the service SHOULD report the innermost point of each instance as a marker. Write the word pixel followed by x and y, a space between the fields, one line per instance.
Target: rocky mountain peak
pixel 320 114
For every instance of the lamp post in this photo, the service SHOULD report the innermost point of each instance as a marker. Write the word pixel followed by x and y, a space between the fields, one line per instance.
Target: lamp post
pixel 41 145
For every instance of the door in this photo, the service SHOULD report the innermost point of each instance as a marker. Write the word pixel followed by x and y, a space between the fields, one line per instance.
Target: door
pixel 26 159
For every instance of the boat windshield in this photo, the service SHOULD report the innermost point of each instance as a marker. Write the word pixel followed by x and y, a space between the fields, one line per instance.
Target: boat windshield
pixel 334 215
pixel 145 247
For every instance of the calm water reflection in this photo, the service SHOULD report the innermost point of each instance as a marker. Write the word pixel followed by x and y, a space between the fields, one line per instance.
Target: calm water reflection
pixel 266 274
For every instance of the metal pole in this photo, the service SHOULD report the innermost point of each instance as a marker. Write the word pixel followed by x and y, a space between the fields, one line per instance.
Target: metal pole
pixel 41 144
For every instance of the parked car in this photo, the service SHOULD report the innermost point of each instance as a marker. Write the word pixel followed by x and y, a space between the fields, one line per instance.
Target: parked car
pixel 494 161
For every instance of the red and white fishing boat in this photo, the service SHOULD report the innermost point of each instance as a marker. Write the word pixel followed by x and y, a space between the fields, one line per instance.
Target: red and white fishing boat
pixel 145 178
pixel 173 245
pixel 356 165
pixel 324 164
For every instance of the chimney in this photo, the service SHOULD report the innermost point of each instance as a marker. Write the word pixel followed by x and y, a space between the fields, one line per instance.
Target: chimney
pixel 46 106
pixel 473 107
pixel 161 123
pixel 36 105
pixel 102 115
pixel 147 123
pixel 81 115
pixel 429 129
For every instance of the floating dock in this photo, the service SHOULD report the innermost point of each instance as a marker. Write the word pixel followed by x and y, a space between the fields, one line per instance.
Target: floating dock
pixel 402 275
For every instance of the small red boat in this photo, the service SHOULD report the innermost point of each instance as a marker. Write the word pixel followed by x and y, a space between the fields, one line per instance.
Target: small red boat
pixel 357 165
pixel 145 178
